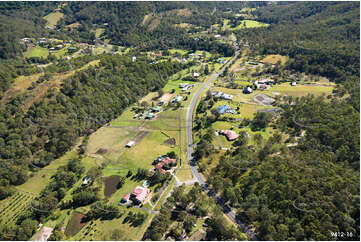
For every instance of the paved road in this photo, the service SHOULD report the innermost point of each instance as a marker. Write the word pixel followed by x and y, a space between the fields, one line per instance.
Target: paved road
pixel 189 120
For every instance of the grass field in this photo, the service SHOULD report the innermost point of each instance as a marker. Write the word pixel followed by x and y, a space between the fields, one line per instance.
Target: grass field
pixel 40 179
pixel 273 59
pixel 53 18
pixel 36 51
pixel 245 24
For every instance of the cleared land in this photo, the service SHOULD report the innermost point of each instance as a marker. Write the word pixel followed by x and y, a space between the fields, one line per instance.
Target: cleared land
pixel 37 51
pixel 273 59
pixel 53 18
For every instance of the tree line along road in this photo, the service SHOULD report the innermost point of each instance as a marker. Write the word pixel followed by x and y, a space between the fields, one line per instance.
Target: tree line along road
pixel 189 120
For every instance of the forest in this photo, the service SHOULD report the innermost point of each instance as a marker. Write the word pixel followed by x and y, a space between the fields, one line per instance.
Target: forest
pixel 85 102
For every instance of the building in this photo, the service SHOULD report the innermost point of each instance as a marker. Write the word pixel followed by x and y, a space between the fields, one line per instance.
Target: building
pixel 223 109
pixel 87 180
pixel 247 90
pixel 177 99
pixel 130 144
pixel 156 109
pixel 227 96
pixel 231 135
pixel 261 85
pixel 134 59
pixel 149 116
pixel 125 199
pixel 217 36
pixel 163 160
pixel 293 84
pixel 195 74
pixel 139 194
pixel 266 81
pixel 182 85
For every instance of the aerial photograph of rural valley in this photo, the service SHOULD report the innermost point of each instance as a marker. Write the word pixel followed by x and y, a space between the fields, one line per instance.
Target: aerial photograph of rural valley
pixel 180 121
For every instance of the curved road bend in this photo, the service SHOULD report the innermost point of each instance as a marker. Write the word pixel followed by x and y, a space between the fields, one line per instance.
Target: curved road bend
pixel 199 179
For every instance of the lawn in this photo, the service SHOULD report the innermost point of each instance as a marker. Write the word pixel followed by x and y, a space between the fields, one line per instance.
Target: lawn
pixel 36 51
pixel 53 18
pixel 299 90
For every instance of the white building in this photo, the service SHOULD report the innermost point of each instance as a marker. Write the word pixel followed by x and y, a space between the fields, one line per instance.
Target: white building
pixel 130 144
pixel 177 99
pixel 134 58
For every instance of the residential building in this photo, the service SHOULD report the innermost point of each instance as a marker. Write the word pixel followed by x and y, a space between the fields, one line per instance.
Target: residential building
pixel 231 135
pixel 130 144
pixel 139 194
pixel 247 90
pixel 86 181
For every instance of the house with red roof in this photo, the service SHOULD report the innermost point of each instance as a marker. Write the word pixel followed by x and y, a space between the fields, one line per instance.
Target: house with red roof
pixel 139 194
pixel 231 135
pixel 164 160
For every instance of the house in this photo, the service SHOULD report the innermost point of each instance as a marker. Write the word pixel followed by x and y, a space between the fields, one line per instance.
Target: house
pixel 195 74
pixel 87 180
pixel 139 194
pixel 227 96
pixel 252 63
pixel 156 109
pixel 25 40
pixel 134 59
pixel 217 94
pixel 231 135
pixel 163 160
pixel 125 199
pixel 247 90
pixel 182 85
pixel 217 36
pixel 261 85
pixel 293 84
pixel 223 108
pixel 149 116
pixel 266 81
pixel 222 60
pixel 177 99
pixel 130 144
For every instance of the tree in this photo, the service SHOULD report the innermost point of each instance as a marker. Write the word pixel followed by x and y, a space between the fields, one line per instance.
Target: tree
pixel 260 121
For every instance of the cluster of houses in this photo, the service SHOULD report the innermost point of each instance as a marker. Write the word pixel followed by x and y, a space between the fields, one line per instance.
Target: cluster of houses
pixel 164 164
pixel 226 109
pixel 185 86
pixel 222 95
pixel 230 134
pixel 148 113
pixel 264 83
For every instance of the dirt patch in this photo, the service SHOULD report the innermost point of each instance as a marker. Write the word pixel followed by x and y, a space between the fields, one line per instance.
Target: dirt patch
pixel 263 99
pixel 166 97
pixel 75 224
pixel 154 24
pixel 101 151
pixel 171 142
pixel 111 184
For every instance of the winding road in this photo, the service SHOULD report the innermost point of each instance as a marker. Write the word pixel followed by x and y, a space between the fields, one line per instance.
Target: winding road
pixel 189 120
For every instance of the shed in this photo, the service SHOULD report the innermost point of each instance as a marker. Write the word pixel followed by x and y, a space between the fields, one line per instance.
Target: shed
pixel 130 144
